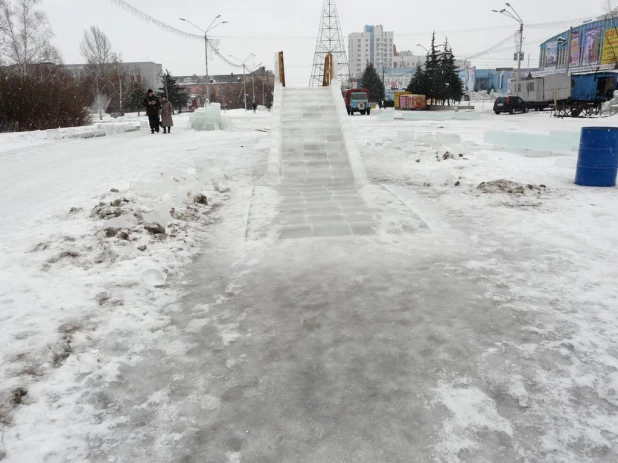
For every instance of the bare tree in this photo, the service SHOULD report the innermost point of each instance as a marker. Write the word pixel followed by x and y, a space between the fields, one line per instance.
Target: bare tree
pixel 96 48
pixel 103 63
pixel 25 35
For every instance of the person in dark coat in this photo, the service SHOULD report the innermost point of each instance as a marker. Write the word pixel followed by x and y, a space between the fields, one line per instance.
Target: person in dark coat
pixel 153 106
pixel 254 106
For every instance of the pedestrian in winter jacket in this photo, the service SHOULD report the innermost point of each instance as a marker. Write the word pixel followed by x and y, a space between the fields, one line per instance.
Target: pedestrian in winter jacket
pixel 152 105
pixel 166 115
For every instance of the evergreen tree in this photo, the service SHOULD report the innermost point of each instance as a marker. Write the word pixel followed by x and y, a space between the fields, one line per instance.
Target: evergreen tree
pixel 135 97
pixel 452 86
pixel 418 83
pixel 433 77
pixel 444 65
pixel 372 82
pixel 172 90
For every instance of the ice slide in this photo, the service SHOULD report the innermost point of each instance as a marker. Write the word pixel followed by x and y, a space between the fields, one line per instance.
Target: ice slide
pixel 316 165
pixel 312 143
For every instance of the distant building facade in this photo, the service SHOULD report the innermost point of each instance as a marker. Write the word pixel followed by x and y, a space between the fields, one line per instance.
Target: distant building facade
pixel 147 72
pixel 488 80
pixel 374 45
pixel 228 89
pixel 377 46
pixel 407 59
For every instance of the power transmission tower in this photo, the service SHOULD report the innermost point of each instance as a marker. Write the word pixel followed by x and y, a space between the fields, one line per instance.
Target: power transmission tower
pixel 330 40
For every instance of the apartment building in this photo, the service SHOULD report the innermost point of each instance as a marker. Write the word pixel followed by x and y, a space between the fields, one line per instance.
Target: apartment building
pixel 374 45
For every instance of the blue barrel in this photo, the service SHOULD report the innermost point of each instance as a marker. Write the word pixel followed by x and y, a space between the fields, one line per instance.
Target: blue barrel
pixel 597 164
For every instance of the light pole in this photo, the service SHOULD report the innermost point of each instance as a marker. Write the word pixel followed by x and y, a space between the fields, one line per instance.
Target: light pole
pixel 423 47
pixel 243 74
pixel 517 18
pixel 568 42
pixel 253 79
pixel 211 27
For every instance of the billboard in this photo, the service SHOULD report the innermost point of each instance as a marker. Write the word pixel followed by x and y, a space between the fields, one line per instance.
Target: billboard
pixel 397 81
pixel 575 48
pixel 610 47
pixel 592 47
pixel 551 55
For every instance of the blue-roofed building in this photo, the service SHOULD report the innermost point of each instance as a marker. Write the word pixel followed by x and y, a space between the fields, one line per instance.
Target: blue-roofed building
pixel 479 80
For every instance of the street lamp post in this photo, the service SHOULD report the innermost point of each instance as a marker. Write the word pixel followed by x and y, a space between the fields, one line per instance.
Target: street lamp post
pixel 244 78
pixel 423 47
pixel 517 18
pixel 253 79
pixel 211 27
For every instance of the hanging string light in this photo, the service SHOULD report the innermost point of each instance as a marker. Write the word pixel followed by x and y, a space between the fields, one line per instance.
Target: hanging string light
pixel 213 44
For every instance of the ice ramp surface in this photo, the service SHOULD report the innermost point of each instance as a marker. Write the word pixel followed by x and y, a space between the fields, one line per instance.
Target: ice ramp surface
pixel 316 167
pixel 312 143
pixel 319 177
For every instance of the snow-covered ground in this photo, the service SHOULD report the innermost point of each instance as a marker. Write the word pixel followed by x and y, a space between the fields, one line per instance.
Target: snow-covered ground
pixel 477 324
pixel 63 276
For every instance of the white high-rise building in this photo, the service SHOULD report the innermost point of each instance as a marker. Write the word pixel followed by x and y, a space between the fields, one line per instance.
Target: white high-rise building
pixel 372 46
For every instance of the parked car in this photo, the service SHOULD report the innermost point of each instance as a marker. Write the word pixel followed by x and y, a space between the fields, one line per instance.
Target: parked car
pixel 510 104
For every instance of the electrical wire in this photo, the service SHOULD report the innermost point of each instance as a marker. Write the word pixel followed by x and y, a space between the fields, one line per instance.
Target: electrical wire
pixel 547 25
pixel 495 47
pixel 213 44
pixel 147 18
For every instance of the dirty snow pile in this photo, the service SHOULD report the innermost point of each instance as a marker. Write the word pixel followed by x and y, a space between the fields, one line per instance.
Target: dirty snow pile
pixel 111 255
pixel 82 264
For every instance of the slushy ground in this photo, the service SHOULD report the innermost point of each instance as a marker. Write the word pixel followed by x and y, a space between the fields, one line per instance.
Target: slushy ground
pixel 469 326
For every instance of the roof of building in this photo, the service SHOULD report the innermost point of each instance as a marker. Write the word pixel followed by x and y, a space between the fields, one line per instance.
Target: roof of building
pixel 221 78
pixel 129 63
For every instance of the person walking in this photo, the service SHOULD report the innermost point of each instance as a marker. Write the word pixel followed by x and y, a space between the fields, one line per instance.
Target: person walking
pixel 152 105
pixel 167 109
pixel 254 106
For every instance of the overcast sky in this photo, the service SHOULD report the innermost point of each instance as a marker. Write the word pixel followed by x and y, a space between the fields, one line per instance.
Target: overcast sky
pixel 264 27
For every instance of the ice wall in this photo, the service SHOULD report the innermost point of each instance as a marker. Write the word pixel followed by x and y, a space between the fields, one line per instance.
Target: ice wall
pixel 356 162
pixel 274 158
pixel 209 118
pixel 559 142
pixel 93 131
